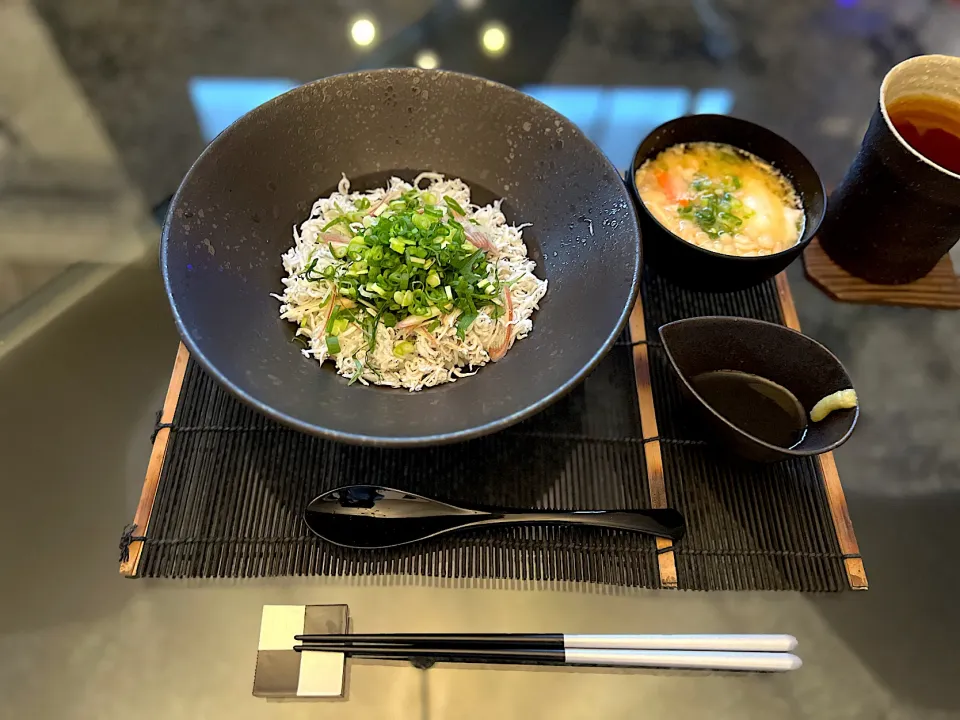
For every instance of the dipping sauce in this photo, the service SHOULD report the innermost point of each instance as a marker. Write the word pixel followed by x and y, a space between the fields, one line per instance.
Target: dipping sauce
pixel 758 406
pixel 931 126
pixel 721 198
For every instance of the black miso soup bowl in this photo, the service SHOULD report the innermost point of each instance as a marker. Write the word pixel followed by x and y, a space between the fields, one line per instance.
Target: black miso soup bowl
pixel 789 358
pixel 693 267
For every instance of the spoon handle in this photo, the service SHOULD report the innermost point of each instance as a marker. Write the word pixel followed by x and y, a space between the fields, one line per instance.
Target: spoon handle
pixel 663 522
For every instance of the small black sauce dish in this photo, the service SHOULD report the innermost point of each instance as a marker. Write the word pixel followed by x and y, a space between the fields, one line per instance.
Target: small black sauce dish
pixel 693 267
pixel 774 352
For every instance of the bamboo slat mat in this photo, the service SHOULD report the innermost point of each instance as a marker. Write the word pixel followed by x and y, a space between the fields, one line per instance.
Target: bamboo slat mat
pixel 225 486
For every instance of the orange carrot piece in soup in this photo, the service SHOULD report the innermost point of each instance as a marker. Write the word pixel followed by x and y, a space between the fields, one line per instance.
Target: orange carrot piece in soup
pixel 669 185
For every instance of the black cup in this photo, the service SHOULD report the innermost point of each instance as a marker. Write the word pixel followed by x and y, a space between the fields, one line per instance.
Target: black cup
pixel 896 213
pixel 694 267
pixel 792 360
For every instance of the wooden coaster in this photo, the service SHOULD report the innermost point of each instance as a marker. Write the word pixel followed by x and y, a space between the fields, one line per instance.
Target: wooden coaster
pixel 940 289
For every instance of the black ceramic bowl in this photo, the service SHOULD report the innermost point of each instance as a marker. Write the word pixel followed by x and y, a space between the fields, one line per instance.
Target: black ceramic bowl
pixel 693 267
pixel 774 352
pixel 233 215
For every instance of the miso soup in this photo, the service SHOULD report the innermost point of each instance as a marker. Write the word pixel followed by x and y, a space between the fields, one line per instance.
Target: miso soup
pixel 721 198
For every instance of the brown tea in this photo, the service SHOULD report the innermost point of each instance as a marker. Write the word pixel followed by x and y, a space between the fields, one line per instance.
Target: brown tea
pixel 758 406
pixel 931 126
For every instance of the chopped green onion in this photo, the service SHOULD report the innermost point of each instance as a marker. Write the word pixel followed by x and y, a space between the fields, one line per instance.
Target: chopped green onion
pixel 453 205
pixel 403 348
pixel 333 345
pixel 403 298
pixel 424 222
pixel 339 325
pixel 414 259
pixel 716 210
pixel 341 220
pixel 362 203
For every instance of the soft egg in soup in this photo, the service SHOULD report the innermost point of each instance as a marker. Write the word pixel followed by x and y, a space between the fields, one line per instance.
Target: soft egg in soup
pixel 721 198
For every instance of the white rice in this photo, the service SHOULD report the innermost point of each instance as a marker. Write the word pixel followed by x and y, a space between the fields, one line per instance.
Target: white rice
pixel 440 356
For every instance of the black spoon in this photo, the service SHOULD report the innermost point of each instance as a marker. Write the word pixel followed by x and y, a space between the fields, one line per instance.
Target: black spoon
pixel 367 516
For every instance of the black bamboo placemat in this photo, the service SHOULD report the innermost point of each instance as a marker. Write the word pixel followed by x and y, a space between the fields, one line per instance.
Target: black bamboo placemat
pixel 233 484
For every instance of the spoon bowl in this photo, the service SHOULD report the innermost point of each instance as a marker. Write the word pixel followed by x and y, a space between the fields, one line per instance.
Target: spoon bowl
pixel 369 516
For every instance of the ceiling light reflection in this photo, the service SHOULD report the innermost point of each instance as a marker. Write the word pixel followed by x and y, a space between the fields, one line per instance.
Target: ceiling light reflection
pixel 494 38
pixel 363 31
pixel 426 59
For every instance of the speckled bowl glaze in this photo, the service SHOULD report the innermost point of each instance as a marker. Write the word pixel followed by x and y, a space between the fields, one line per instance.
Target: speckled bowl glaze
pixel 233 215
pixel 896 213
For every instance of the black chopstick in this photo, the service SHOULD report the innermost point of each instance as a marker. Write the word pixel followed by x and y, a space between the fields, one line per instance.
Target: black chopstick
pixel 502 640
pixel 557 641
pixel 462 654
pixel 683 659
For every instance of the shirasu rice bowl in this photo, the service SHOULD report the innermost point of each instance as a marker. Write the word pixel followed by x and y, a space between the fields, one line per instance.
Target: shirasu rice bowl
pixel 410 285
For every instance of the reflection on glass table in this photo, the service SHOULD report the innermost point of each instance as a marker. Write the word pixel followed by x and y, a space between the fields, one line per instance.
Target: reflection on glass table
pixel 69 215
pixel 615 118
